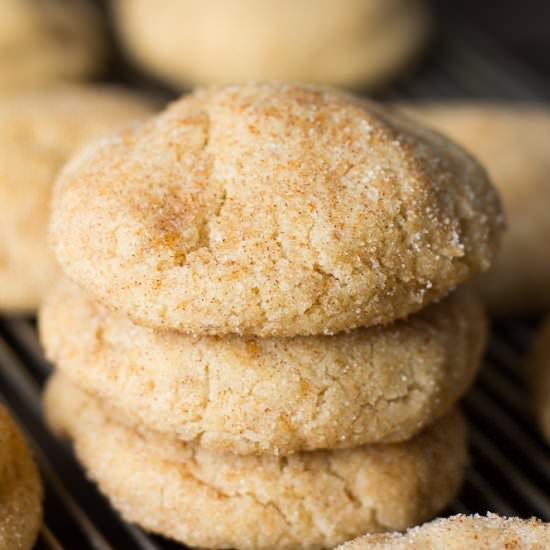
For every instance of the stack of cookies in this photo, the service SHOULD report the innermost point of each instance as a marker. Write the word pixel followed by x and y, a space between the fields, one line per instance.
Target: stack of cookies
pixel 258 346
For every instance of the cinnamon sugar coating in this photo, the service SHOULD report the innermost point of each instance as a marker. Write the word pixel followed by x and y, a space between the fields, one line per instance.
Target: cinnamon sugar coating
pixel 273 210
pixel 463 533
pixel 214 500
pixel 270 395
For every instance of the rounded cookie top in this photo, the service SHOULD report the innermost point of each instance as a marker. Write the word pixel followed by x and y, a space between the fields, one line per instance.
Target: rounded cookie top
pixel 214 500
pixel 273 209
pixel 38 134
pixel 215 42
pixel 48 41
pixel 20 489
pixel 511 142
pixel 462 533
pixel 269 395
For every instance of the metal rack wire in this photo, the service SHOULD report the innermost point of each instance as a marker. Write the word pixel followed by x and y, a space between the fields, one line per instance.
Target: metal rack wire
pixel 510 469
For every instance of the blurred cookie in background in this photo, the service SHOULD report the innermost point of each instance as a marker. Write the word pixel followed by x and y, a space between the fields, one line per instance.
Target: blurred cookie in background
pixel 538 372
pixel 48 41
pixel 38 134
pixel 512 142
pixel 353 43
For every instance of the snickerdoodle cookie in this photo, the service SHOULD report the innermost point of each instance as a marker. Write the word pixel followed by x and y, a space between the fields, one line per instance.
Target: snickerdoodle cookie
pixel 350 42
pixel 38 133
pixel 538 372
pixel 273 210
pixel 462 533
pixel 308 500
pixel 20 489
pixel 276 396
pixel 511 140
pixel 48 41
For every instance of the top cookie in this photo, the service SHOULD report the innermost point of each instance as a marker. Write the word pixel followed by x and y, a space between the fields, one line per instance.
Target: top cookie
pixel 47 41
pixel 273 209
pixel 20 489
pixel 350 42
pixel 512 142
pixel 462 533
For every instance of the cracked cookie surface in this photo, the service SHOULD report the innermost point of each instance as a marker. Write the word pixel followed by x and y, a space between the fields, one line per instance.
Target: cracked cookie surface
pixel 273 210
pixel 461 532
pixel 215 500
pixel 39 132
pixel 49 41
pixel 20 489
pixel 511 140
pixel 274 395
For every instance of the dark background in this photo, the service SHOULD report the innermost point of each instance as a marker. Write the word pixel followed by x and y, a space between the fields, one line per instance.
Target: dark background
pixel 521 26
